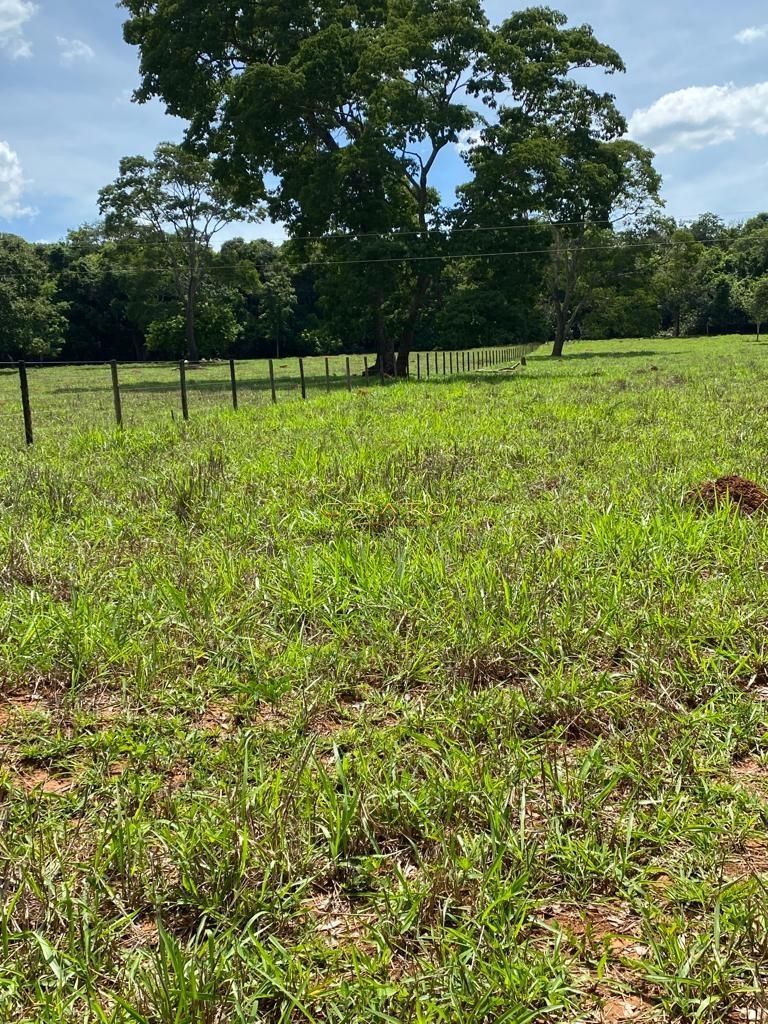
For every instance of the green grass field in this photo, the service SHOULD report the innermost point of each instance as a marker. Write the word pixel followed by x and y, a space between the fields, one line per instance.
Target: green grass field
pixel 429 703
pixel 61 397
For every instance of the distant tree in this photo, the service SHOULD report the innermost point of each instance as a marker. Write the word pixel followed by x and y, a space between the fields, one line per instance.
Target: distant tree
pixel 32 322
pixel 677 277
pixel 571 171
pixel 753 297
pixel 708 227
pixel 263 280
pixel 217 331
pixel 750 248
pixel 97 279
pixel 174 205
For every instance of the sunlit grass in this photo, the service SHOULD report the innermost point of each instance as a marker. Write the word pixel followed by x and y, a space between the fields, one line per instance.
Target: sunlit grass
pixel 428 703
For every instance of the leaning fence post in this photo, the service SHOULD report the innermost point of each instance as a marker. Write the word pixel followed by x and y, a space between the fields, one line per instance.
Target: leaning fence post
pixel 116 394
pixel 233 379
pixel 303 380
pixel 272 382
pixel 365 368
pixel 183 385
pixel 349 376
pixel 26 407
pixel 327 375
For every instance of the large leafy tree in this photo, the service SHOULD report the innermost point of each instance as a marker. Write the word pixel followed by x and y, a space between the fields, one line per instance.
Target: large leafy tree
pixel 265 295
pixel 175 206
pixel 566 166
pixel 752 295
pixel 32 322
pixel 678 277
pixel 345 109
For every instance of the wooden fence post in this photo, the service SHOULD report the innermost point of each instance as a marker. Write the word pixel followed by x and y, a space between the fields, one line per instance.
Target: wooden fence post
pixel 349 377
pixel 233 381
pixel 365 368
pixel 116 395
pixel 25 404
pixel 183 386
pixel 303 381
pixel 450 359
pixel 272 382
pixel 327 375
pixel 418 366
pixel 381 370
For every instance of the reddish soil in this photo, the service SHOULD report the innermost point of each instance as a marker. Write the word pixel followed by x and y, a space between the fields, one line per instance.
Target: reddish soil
pixel 747 496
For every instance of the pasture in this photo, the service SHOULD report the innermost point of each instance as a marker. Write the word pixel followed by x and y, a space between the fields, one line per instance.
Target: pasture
pixel 428 703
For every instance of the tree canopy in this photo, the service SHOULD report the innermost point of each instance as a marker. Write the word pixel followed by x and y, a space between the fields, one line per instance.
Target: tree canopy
pixel 338 113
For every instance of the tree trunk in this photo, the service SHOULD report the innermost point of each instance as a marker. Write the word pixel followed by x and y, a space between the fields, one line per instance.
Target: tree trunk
pixel 385 346
pixel 408 335
pixel 560 332
pixel 759 326
pixel 191 340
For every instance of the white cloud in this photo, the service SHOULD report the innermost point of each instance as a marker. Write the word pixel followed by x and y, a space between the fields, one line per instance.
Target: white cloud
pixel 14 14
pixel 74 51
pixel 702 116
pixel 752 35
pixel 12 184
pixel 469 139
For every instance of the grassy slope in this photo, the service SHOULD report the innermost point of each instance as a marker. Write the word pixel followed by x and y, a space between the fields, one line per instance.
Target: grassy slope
pixel 426 703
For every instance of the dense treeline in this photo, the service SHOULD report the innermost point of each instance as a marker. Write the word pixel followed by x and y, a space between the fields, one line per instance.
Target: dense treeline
pixel 333 118
pixel 92 297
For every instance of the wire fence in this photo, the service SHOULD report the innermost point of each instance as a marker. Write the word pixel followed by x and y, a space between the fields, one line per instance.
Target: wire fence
pixel 102 395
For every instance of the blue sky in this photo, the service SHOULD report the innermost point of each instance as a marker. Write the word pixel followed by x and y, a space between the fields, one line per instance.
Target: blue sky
pixel 696 90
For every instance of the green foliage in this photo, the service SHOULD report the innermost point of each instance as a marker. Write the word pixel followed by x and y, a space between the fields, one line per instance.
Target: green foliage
pixel 32 321
pixel 217 331
pixel 753 298
pixel 677 279
pixel 174 206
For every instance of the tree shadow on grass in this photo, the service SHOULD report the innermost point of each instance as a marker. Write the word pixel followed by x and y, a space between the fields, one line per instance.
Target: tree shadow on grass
pixel 613 354
pixel 216 387
pixel 317 384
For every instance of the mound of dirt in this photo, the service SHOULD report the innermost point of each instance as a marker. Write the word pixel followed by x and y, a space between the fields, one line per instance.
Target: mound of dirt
pixel 747 496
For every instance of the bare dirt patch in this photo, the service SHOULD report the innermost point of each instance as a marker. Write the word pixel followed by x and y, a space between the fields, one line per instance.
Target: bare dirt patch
pixel 745 496
pixel 610 926
pixel 142 933
pixel 613 932
pixel 616 1009
pixel 338 920
pixel 752 774
pixel 218 717
pixel 750 862
pixel 757 684
pixel 41 781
